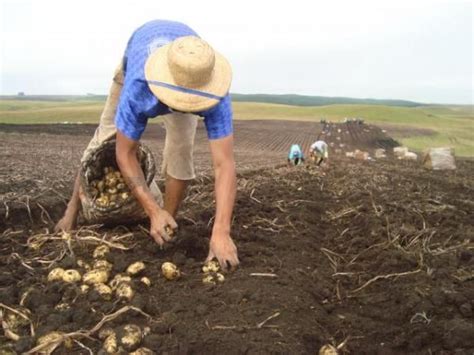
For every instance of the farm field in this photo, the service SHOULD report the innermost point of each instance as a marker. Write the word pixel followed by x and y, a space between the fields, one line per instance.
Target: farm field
pixel 416 127
pixel 369 256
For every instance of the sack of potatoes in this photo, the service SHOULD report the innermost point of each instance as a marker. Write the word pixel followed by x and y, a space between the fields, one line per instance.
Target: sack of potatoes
pixel 105 197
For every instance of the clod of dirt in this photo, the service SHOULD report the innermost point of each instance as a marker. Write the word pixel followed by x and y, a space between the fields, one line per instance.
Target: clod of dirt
pixel 96 276
pixel 135 268
pixel 71 276
pixel 170 271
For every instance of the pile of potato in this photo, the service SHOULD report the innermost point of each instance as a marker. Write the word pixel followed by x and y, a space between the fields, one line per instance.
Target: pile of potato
pixel 111 189
pixel 211 273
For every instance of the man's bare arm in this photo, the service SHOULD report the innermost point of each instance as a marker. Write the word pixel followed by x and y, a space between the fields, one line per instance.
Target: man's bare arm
pixel 69 219
pixel 126 155
pixel 221 245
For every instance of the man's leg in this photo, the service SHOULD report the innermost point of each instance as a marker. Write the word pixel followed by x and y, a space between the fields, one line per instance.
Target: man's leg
pixel 104 131
pixel 178 166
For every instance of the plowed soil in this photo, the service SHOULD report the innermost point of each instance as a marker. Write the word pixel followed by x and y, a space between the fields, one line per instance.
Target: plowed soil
pixel 369 256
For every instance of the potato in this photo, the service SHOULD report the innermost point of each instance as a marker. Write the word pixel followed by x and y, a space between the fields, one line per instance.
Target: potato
pixel 135 268
pixel 328 350
pixel 101 186
pixel 146 281
pixel 112 191
pixel 118 174
pixel 118 279
pixel 125 291
pixel 56 274
pixel 111 182
pixel 211 266
pixel 124 195
pixel 96 276
pixel 50 338
pixel 121 186
pixel 142 351
pixel 132 336
pixel 82 264
pixel 103 201
pixel 101 251
pixel 208 279
pixel 84 288
pixel 71 276
pixel 102 264
pixel 170 271
pixel 110 344
pixel 219 277
pixel 103 290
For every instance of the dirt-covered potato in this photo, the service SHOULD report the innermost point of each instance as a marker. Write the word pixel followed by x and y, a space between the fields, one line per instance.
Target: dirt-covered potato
pixel 101 251
pixel 56 274
pixel 96 276
pixel 84 288
pixel 103 290
pixel 145 280
pixel 170 271
pixel 211 266
pixel 49 338
pixel 110 343
pixel 135 268
pixel 213 278
pixel 102 264
pixel 82 264
pixel 112 191
pixel 118 279
pixel 142 351
pixel 328 350
pixel 71 276
pixel 132 336
pixel 125 291
pixel 219 277
pixel 124 195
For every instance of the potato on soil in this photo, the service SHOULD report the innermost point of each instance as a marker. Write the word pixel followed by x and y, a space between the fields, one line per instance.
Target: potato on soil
pixel 118 279
pixel 103 290
pixel 328 350
pixel 213 278
pixel 71 276
pixel 132 336
pixel 56 274
pixel 110 343
pixel 84 288
pixel 170 271
pixel 143 351
pixel 101 251
pixel 135 268
pixel 49 338
pixel 125 291
pixel 146 281
pixel 211 266
pixel 102 264
pixel 96 276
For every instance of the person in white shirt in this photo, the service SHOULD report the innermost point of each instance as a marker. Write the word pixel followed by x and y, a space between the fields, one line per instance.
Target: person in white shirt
pixel 318 152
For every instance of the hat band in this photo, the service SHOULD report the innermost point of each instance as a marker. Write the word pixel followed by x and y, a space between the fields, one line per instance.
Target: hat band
pixel 185 90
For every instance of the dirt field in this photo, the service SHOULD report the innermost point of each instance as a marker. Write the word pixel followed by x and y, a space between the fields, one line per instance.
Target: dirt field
pixel 370 256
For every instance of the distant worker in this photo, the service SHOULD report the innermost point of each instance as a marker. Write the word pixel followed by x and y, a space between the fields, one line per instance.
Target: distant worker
pixel 295 157
pixel 318 152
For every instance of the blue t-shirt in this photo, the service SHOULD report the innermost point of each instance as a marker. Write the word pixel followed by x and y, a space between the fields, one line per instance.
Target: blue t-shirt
pixel 137 103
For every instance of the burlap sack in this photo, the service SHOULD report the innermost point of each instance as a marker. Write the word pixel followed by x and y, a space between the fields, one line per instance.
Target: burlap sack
pixel 126 211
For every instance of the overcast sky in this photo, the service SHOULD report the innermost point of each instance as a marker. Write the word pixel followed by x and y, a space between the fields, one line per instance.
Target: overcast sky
pixel 415 50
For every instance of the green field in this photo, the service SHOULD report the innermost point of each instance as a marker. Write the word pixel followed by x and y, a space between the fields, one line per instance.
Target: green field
pixel 447 125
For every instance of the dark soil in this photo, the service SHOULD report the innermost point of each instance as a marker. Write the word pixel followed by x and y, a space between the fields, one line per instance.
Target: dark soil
pixel 377 257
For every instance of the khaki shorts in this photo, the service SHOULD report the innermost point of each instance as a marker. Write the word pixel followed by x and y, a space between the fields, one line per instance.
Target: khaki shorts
pixel 179 143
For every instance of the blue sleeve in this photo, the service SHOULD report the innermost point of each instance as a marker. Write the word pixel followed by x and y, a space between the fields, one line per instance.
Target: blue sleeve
pixel 218 120
pixel 137 104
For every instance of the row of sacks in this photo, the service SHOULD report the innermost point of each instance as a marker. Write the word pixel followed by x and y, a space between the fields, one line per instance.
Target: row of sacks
pixel 433 158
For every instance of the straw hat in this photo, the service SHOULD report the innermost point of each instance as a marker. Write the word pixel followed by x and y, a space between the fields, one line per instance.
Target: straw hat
pixel 188 75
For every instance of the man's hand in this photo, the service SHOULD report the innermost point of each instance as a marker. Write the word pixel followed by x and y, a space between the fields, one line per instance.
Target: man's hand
pixel 222 248
pixel 159 222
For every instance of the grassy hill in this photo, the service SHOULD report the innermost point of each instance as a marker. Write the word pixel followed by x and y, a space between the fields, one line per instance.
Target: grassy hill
pixel 303 100
pixel 417 127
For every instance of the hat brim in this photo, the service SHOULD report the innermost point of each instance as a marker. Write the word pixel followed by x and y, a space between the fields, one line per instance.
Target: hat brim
pixel 157 69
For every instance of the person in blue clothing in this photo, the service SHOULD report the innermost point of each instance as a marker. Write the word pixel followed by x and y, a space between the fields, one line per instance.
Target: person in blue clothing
pixel 168 70
pixel 295 156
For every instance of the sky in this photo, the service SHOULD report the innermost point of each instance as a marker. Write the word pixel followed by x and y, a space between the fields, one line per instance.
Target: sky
pixel 413 50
